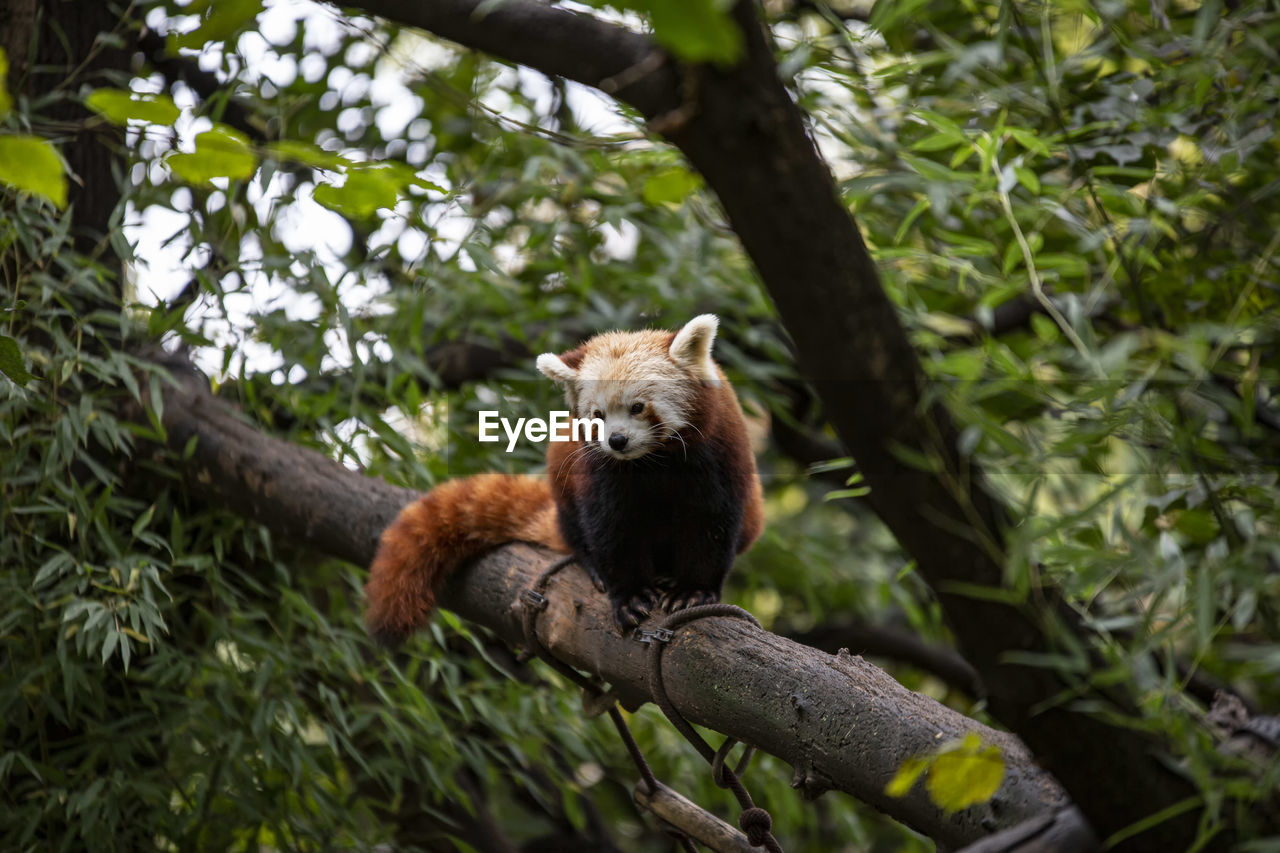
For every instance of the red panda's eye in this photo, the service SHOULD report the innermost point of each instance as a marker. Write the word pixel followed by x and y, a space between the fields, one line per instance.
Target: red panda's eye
pixel 598 415
pixel 637 408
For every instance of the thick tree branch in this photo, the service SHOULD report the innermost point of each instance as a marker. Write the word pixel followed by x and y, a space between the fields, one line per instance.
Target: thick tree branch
pixel 841 722
pixel 226 467
pixel 896 644
pixel 554 41
pixel 740 128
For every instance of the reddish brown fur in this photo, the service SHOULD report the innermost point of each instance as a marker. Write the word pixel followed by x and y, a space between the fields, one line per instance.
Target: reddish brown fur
pixel 461 519
pixel 453 523
pixel 717 414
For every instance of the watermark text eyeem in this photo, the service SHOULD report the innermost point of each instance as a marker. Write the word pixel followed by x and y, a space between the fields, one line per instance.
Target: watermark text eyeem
pixel 561 427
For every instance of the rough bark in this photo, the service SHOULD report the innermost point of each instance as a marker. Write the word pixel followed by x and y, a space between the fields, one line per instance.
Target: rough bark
pixel 840 722
pixel 740 128
pixel 885 641
pixel 325 506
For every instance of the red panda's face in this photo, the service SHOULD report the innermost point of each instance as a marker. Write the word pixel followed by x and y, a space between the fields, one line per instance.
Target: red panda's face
pixel 642 385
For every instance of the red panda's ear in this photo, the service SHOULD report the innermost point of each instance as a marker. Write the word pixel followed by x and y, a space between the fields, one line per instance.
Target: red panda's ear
pixel 554 367
pixel 691 347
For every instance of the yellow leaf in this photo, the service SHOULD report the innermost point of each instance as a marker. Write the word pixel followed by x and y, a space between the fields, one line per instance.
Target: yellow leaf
pixel 906 776
pixel 140 637
pixel 965 774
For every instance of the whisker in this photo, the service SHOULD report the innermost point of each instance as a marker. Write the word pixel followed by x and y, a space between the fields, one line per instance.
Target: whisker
pixel 590 449
pixel 565 461
pixel 675 432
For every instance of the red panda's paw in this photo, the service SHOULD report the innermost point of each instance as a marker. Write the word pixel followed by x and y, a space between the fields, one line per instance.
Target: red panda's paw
pixel 596 580
pixel 681 599
pixel 630 612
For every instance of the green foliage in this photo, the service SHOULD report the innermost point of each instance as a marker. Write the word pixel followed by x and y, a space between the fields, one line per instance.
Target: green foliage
pixel 183 680
pixel 1115 165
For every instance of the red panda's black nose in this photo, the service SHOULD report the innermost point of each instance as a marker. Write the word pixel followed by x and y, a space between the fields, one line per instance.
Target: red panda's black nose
pixel 618 441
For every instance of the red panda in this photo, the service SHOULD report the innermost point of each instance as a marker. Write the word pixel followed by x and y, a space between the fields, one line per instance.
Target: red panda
pixel 655 510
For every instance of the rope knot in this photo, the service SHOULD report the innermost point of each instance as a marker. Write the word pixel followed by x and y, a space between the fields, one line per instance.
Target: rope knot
pixel 757 824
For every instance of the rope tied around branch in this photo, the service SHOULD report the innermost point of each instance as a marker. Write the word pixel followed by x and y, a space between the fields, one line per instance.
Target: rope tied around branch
pixel 756 823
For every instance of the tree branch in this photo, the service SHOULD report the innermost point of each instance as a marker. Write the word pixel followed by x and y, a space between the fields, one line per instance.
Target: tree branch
pixel 898 645
pixel 841 722
pixel 741 129
pixel 554 41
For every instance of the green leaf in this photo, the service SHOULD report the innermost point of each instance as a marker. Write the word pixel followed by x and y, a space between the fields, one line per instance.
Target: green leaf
pixel 220 153
pixel 694 30
pixel 11 362
pixel 121 107
pixel 307 154
pixel 402 174
pixel 841 494
pixel 1197 525
pixel 939 142
pixel 1028 179
pixel 143 520
pixel 1045 328
pixel 965 775
pixel 222 19
pixel 109 642
pixel 1029 141
pixel 1141 826
pixel 364 193
pixel 1206 19
pixel 30 164
pixel 671 186
pixel 54 566
pixel 918 208
pixel 371 187
pixel 886 15
pixel 6 102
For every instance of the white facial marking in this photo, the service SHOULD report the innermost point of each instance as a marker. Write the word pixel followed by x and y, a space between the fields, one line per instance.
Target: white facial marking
pixel 622 369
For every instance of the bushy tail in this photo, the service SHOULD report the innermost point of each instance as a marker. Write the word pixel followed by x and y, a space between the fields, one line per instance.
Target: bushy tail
pixel 434 535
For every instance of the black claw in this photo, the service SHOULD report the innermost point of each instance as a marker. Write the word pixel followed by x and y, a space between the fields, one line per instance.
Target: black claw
pixel 596 580
pixel 630 612
pixel 682 599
